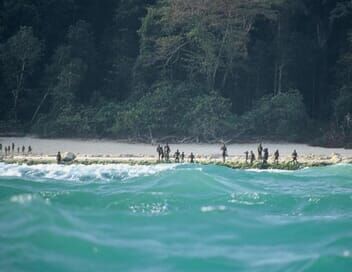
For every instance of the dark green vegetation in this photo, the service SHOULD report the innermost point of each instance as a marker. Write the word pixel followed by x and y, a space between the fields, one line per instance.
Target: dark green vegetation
pixel 193 69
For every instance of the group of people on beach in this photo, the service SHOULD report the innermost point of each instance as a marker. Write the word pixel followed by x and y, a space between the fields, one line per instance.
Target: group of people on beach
pixel 263 155
pixel 164 154
pixel 11 149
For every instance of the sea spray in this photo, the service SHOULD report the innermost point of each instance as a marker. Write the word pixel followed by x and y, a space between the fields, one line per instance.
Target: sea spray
pixel 77 172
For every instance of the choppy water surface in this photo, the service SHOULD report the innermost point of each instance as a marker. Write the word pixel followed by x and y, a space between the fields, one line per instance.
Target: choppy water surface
pixel 174 218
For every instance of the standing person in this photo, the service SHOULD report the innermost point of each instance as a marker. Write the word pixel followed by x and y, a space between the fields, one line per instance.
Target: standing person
pixel 246 154
pixel 58 158
pixel 260 151
pixel 162 153
pixel 159 149
pixel 294 156
pixel 266 155
pixel 167 152
pixel 183 157
pixel 29 149
pixel 252 157
pixel 23 149
pixel 13 147
pixel 224 152
pixel 191 157
pixel 276 156
pixel 1 148
pixel 18 150
pixel 5 150
pixel 177 156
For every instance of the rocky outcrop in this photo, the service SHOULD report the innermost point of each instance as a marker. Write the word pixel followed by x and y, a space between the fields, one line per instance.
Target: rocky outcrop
pixel 68 157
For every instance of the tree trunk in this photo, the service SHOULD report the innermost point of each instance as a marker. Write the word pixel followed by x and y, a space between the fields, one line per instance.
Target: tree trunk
pixel 16 92
pixel 15 100
pixel 217 63
pixel 275 78
pixel 281 68
pixel 39 106
pixel 278 63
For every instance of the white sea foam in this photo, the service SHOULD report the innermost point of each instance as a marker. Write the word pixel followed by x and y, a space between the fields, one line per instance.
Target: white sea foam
pixel 247 198
pixel 346 253
pixel 22 199
pixel 150 209
pixel 269 170
pixel 205 209
pixel 81 172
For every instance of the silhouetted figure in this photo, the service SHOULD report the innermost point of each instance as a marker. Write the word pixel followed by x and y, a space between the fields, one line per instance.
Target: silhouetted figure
pixel 224 152
pixel 23 149
pixel 191 157
pixel 276 156
pixel 13 148
pixel 177 156
pixel 18 150
pixel 294 156
pixel 167 151
pixel 252 157
pixel 29 149
pixel 8 150
pixel 183 157
pixel 260 151
pixel 266 155
pixel 58 157
pixel 5 150
pixel 246 154
pixel 1 148
pixel 159 149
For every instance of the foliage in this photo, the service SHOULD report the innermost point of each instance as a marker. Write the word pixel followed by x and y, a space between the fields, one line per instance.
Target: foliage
pixel 198 40
pixel 160 111
pixel 172 109
pixel 190 68
pixel 282 115
pixel 70 122
pixel 209 117
pixel 19 56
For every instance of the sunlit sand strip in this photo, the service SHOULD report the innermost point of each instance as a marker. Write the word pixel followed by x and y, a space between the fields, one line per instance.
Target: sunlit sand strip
pixel 237 162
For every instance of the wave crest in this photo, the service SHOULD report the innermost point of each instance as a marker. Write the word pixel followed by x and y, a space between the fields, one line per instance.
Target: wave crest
pixel 82 173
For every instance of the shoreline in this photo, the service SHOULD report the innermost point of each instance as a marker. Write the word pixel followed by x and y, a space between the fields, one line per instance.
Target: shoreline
pixel 170 140
pixel 176 140
pixel 234 162
pixel 119 148
pixel 112 152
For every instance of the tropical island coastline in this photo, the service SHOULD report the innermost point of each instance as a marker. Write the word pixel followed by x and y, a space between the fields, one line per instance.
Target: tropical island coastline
pixel 89 152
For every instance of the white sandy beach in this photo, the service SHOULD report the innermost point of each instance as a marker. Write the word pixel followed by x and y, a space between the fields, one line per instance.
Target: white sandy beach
pixel 118 149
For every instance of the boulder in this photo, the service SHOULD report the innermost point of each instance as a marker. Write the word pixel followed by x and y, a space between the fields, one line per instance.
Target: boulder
pixel 68 157
pixel 336 158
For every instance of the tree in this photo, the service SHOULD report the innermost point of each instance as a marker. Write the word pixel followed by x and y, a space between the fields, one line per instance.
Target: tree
pixel 19 56
pixel 199 40
pixel 343 102
pixel 68 76
pixel 282 115
pixel 209 116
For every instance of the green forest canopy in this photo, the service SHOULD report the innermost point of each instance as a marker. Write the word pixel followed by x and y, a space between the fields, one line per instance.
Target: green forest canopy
pixel 191 69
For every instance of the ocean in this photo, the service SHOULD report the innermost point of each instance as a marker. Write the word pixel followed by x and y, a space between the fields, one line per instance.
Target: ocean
pixel 174 218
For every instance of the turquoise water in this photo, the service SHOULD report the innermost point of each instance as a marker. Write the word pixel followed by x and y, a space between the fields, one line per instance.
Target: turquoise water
pixel 174 218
